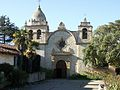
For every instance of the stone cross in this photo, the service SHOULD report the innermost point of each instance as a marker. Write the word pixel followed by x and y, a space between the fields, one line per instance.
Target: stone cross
pixel 39 2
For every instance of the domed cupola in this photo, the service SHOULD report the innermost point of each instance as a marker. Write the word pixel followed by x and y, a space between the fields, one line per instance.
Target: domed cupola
pixel 38 15
pixel 37 26
pixel 38 18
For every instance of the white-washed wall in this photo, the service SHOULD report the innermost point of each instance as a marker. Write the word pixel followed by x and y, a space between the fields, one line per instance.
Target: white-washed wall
pixel 6 58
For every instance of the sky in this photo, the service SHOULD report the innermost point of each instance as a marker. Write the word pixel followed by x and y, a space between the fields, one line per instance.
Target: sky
pixel 71 12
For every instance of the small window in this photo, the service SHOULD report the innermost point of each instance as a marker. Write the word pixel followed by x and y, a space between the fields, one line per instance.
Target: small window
pixel 84 33
pixel 30 34
pixel 38 34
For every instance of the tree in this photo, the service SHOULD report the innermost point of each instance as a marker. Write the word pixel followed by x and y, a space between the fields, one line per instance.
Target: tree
pixel 105 47
pixel 21 41
pixel 26 47
pixel 7 27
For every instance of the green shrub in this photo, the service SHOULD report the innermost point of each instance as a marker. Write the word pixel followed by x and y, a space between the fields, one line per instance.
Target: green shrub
pixel 3 81
pixel 79 77
pixel 18 77
pixel 6 68
pixel 13 77
pixel 88 76
pixel 94 75
pixel 112 82
pixel 1 78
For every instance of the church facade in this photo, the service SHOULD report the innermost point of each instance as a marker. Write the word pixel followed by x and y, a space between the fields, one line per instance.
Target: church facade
pixel 61 50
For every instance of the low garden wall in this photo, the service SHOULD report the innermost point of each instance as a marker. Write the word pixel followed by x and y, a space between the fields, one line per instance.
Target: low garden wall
pixel 38 76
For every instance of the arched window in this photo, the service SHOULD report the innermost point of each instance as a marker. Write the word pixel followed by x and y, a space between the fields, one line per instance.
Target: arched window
pixel 30 34
pixel 84 33
pixel 38 34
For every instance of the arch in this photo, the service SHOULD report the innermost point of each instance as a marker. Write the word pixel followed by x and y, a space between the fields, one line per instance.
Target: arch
pixel 84 33
pixel 61 31
pixel 38 34
pixel 30 34
pixel 61 69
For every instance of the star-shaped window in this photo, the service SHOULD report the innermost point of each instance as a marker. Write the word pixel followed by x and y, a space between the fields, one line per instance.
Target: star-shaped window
pixel 61 43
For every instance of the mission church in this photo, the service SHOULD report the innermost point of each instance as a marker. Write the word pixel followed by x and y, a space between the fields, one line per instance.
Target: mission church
pixel 61 50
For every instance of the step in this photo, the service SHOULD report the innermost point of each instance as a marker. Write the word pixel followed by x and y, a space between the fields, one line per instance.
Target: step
pixel 96 82
pixel 91 86
pixel 95 85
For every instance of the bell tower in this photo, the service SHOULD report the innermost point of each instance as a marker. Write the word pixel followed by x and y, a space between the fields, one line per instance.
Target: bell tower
pixel 85 32
pixel 37 26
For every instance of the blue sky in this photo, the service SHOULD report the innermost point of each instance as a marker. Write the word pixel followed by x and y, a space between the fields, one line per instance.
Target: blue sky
pixel 71 12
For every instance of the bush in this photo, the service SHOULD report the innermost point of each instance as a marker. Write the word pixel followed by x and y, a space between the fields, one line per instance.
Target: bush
pixel 18 77
pixel 6 68
pixel 1 78
pixel 94 75
pixel 3 81
pixel 112 82
pixel 13 77
pixel 79 77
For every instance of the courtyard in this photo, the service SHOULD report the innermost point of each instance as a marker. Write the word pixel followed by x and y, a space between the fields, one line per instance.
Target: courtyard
pixel 63 84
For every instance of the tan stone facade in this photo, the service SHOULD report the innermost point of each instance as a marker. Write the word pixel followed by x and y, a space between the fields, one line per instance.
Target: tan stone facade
pixel 60 45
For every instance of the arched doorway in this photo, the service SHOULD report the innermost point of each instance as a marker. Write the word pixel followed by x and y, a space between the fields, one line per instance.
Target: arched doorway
pixel 61 69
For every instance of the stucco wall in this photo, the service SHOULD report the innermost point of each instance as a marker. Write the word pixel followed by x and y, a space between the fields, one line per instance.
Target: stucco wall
pixel 6 58
pixel 75 48
pixel 41 52
pixel 69 47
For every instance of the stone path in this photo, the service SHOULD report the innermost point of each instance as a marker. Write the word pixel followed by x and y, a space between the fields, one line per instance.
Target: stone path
pixel 65 85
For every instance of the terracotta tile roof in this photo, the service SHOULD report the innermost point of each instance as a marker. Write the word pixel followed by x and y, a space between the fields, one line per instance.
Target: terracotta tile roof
pixel 8 49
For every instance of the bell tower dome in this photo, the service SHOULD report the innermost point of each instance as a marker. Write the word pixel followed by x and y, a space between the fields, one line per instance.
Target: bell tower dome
pixel 37 26
pixel 38 15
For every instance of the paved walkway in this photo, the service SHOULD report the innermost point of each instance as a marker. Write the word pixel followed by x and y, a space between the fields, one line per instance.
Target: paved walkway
pixel 65 85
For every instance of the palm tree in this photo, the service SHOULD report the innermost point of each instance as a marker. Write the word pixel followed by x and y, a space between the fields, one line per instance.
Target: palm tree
pixel 20 40
pixel 25 46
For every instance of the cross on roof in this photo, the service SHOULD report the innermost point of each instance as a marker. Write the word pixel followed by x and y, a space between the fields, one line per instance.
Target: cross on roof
pixel 39 2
